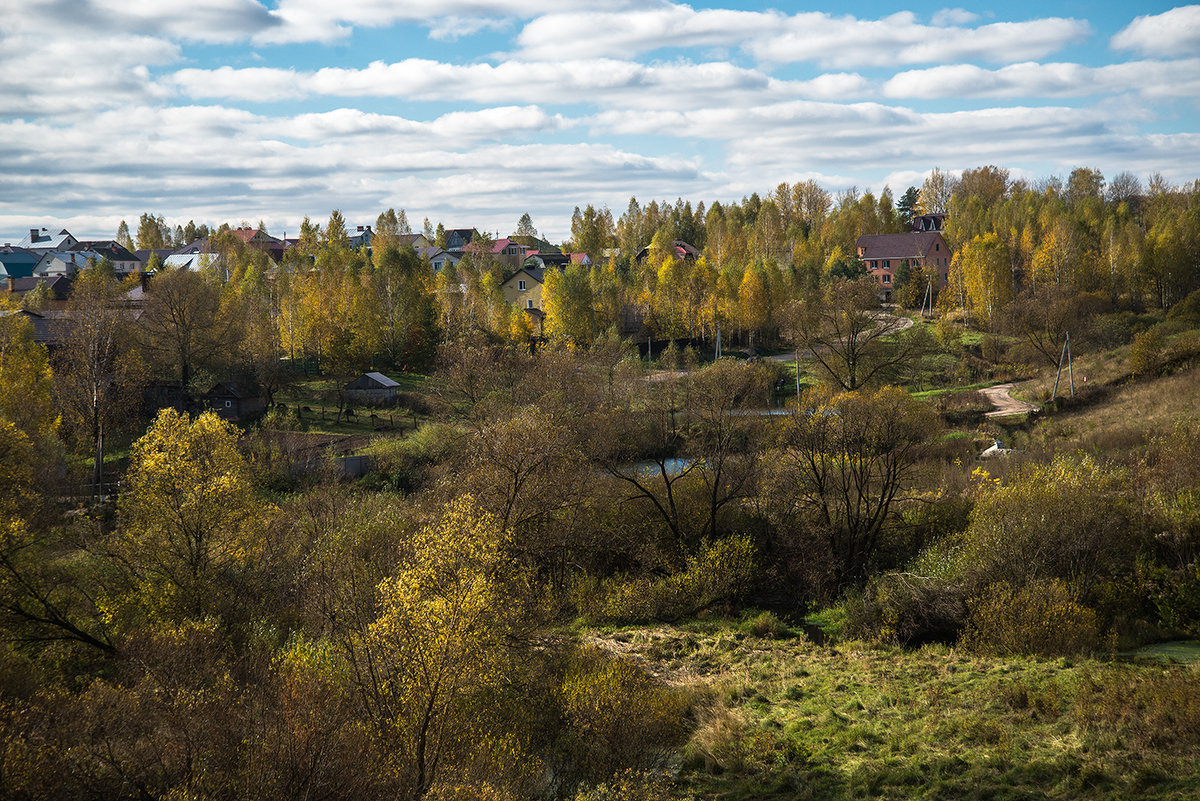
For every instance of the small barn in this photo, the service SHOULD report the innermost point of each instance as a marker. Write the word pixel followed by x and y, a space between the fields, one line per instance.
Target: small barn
pixel 372 389
pixel 236 400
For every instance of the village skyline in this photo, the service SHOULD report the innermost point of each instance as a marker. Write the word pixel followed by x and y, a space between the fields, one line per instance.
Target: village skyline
pixel 235 110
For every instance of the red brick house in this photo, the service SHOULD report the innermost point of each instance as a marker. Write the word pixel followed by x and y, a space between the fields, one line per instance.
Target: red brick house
pixel 883 255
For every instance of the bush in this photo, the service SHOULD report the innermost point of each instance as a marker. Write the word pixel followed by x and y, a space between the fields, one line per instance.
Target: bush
pixel 721 572
pixel 1068 520
pixel 1146 352
pixel 768 625
pixel 618 716
pixel 908 609
pixel 1039 618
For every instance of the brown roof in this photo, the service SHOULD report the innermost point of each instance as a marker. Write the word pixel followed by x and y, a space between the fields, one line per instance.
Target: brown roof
pixel 899 246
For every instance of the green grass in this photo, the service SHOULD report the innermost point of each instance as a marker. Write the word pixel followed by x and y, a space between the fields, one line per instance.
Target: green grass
pixel 783 718
pixel 1182 651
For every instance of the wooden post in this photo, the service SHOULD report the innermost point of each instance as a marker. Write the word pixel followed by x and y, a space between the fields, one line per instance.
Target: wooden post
pixel 1070 364
pixel 1063 355
pixel 797 354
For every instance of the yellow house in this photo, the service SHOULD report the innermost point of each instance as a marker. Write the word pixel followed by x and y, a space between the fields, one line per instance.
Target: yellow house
pixel 524 288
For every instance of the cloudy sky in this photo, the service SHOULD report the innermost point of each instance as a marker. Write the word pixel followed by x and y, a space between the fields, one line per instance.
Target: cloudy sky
pixel 231 110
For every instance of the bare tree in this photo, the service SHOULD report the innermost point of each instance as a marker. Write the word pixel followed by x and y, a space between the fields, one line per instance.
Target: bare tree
pixel 98 373
pixel 843 463
pixel 849 336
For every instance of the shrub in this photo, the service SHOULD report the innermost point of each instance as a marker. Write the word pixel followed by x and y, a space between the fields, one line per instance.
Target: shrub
pixel 720 572
pixel 629 786
pixel 1068 520
pixel 1145 354
pixel 767 624
pixel 1176 596
pixel 617 715
pixel 1187 311
pixel 725 743
pixel 909 609
pixel 1040 618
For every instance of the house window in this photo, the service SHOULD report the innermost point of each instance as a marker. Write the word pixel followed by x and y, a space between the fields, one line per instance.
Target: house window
pixel 228 404
pixel 887 279
pixel 520 286
pixel 529 304
pixel 886 264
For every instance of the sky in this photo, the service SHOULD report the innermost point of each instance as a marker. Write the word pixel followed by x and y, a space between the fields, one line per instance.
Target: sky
pixel 478 111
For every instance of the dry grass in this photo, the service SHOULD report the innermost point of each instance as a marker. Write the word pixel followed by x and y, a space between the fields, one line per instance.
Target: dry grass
pixel 1126 418
pixel 784 718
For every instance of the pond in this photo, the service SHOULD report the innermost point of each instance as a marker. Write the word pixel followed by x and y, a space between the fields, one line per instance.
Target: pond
pixel 1183 651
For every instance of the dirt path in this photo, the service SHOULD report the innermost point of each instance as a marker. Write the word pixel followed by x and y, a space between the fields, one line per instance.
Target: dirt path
pixel 1005 404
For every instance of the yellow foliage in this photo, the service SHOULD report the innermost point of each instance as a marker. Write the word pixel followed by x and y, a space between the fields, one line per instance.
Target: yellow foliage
pixel 1039 618
pixel 189 510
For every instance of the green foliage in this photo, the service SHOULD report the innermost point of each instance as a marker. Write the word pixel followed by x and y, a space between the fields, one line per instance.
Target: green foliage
pixel 1041 617
pixel 721 572
pixel 618 717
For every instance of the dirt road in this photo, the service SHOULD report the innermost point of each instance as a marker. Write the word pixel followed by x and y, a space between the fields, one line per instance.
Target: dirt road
pixel 1005 404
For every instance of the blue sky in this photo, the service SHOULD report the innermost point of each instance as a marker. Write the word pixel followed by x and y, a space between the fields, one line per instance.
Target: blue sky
pixel 479 111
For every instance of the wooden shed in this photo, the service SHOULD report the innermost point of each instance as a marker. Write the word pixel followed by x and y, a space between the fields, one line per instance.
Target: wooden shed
pixel 235 400
pixel 372 389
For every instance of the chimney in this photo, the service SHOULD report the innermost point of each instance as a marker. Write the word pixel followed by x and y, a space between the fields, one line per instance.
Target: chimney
pixel 12 284
pixel 33 235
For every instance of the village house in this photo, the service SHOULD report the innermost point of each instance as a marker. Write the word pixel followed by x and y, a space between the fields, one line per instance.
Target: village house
pixel 236 400
pixel 883 255
pixel 438 258
pixel 124 261
pixel 523 288
pixel 45 239
pixel 457 239
pixel 683 252
pixel 17 262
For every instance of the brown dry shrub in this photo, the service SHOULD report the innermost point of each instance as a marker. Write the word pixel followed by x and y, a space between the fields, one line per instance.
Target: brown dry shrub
pixel 1041 617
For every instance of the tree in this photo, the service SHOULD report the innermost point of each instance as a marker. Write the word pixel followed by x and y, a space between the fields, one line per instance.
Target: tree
pixel 906 207
pixel 525 226
pixel 26 386
pixel 440 637
pixel 189 512
pixel 850 339
pixel 844 462
pixel 935 192
pixel 182 325
pixel 123 237
pixel 151 234
pixel 97 371
pixel 983 268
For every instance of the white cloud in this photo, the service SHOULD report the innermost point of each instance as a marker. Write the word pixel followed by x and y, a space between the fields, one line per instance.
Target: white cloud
pixel 605 83
pixel 61 76
pixel 838 42
pixel 953 16
pixel 899 39
pixel 1158 79
pixel 214 21
pixel 610 33
pixel 325 21
pixel 1172 33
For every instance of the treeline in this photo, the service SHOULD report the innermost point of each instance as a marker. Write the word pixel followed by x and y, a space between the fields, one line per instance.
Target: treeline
pixel 1129 246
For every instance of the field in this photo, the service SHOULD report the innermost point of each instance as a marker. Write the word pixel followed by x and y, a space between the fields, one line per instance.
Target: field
pixel 778 716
